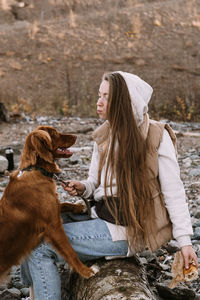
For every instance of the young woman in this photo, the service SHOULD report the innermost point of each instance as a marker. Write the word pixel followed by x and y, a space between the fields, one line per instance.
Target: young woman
pixel 134 180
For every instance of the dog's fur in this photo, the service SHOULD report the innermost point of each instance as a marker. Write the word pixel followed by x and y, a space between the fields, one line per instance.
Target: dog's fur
pixel 30 208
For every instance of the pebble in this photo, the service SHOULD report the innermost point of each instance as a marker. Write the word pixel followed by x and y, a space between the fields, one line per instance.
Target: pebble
pixel 25 292
pixel 165 267
pixel 3 164
pixel 197 229
pixel 143 260
pixel 172 247
pixel 197 215
pixel 10 294
pixel 194 172
pixel 177 293
pixel 187 162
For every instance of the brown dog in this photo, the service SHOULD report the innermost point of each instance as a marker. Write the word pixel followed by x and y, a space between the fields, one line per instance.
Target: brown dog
pixel 29 207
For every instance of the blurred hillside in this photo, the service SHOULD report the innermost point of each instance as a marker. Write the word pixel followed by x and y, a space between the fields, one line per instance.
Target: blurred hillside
pixel 53 53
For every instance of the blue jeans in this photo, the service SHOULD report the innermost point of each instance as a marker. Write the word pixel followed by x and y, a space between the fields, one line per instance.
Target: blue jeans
pixel 90 239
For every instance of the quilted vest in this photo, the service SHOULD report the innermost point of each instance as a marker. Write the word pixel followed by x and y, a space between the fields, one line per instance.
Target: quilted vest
pixel 163 226
pixel 162 230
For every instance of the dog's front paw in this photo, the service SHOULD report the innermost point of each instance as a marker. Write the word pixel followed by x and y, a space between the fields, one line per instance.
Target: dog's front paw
pixel 89 272
pixel 80 207
pixel 95 269
pixel 76 208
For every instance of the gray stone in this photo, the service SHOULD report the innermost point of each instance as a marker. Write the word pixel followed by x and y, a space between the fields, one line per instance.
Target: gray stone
pixel 172 246
pixel 196 235
pixel 195 242
pixel 178 293
pixel 25 292
pixel 17 284
pixel 197 230
pixel 14 291
pixel 165 267
pixel 195 185
pixel 143 260
pixel 187 162
pixel 194 157
pixel 159 252
pixel 3 164
pixel 168 274
pixel 197 214
pixel 75 159
pixel 10 294
pixel 145 253
pixel 196 224
pixel 194 172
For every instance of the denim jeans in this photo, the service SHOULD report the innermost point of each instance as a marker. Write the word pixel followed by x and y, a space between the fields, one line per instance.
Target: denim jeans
pixel 90 239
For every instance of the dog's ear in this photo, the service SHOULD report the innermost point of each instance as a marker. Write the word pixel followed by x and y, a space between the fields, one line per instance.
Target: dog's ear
pixel 42 144
pixel 38 142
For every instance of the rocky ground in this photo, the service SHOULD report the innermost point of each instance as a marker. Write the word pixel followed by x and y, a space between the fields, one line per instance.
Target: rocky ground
pixel 158 268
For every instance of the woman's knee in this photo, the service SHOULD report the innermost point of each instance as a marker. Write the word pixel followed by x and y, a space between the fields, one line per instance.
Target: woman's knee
pixel 43 253
pixel 44 250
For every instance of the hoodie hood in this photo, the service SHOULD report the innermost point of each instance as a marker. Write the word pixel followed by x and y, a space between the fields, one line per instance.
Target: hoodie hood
pixel 140 94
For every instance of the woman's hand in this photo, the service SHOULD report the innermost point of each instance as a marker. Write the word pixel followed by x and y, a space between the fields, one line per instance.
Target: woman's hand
pixel 189 256
pixel 74 188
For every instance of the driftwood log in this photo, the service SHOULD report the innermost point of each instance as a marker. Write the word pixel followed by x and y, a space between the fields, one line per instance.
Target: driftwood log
pixel 117 279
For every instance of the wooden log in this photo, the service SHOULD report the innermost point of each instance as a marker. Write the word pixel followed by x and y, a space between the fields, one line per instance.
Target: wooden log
pixel 117 279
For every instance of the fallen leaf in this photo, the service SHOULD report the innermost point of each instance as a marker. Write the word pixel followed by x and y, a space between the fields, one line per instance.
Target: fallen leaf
pixel 2 73
pixel 196 24
pixel 15 65
pixel 157 22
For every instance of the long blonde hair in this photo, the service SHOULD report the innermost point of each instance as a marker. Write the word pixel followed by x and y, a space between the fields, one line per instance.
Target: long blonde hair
pixel 127 162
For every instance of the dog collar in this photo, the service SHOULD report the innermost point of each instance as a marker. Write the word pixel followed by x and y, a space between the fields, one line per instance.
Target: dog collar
pixel 43 171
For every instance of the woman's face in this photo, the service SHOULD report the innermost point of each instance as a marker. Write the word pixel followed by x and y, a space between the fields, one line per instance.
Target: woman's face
pixel 103 100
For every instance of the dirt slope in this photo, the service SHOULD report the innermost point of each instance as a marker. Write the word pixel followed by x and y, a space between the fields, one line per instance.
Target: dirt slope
pixel 53 53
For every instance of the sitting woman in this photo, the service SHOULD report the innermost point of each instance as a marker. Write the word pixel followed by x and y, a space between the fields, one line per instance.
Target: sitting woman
pixel 134 180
